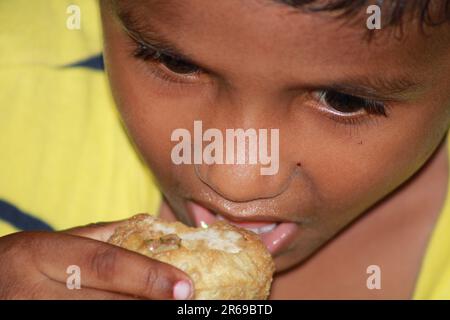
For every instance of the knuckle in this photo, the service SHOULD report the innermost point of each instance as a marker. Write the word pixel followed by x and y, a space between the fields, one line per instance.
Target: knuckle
pixel 103 263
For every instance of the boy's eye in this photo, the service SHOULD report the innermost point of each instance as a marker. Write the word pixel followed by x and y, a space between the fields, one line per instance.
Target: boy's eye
pixel 178 65
pixel 172 63
pixel 348 105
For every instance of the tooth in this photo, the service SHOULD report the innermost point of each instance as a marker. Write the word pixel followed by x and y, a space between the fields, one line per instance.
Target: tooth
pixel 260 230
pixel 264 229
pixel 267 228
pixel 219 217
pixel 255 230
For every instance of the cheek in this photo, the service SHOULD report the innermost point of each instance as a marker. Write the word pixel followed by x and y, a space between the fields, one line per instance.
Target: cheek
pixel 353 173
pixel 148 111
pixel 150 117
pixel 150 121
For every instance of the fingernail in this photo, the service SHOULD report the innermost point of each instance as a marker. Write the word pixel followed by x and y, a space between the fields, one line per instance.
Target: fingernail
pixel 182 290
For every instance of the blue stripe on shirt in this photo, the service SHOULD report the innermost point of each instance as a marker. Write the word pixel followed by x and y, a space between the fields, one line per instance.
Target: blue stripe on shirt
pixel 21 220
pixel 94 62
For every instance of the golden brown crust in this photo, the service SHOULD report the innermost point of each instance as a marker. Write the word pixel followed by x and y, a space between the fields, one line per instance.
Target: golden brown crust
pixel 225 262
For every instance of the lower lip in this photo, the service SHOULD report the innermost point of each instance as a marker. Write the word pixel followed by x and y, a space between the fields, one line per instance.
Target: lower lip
pixel 275 240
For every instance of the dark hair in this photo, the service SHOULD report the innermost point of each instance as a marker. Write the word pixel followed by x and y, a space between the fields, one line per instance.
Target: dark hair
pixel 429 12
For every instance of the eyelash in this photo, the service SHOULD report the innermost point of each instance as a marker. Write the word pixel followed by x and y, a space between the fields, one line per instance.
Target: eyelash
pixel 146 53
pixel 366 109
pixel 370 107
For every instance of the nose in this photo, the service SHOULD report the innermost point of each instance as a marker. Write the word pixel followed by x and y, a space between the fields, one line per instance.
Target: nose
pixel 243 182
pixel 246 180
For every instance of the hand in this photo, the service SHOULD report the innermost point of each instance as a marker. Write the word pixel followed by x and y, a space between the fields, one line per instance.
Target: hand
pixel 33 266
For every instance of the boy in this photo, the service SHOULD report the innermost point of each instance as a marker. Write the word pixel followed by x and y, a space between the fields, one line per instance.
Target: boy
pixel 361 182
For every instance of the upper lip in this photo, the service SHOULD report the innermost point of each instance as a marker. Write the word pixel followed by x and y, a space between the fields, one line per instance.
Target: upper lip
pixel 241 212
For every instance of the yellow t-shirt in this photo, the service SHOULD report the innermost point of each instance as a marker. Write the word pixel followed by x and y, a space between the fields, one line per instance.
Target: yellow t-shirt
pixel 434 277
pixel 65 159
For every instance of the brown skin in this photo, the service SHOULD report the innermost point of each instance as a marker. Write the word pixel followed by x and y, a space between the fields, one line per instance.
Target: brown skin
pixel 33 266
pixel 262 63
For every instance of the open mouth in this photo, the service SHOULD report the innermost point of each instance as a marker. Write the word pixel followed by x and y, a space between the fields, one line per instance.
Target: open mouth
pixel 275 235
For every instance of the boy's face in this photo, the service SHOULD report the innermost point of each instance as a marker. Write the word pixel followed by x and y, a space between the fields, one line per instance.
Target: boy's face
pixel 258 64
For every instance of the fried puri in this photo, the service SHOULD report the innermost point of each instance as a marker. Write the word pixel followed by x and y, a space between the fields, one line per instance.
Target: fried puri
pixel 224 261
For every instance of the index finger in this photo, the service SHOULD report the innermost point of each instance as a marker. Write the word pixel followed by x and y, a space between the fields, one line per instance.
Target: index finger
pixel 108 267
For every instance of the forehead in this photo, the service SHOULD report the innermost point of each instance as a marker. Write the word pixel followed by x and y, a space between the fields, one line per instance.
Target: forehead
pixel 257 31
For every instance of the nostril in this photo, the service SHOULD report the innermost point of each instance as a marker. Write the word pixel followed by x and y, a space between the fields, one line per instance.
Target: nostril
pixel 243 183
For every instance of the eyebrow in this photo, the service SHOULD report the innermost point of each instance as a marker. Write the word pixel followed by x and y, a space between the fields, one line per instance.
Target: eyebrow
pixel 381 88
pixel 147 35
